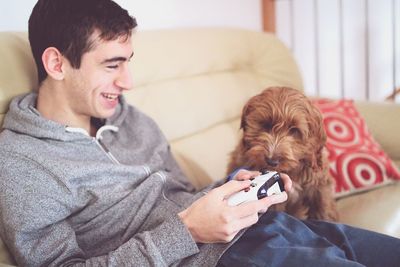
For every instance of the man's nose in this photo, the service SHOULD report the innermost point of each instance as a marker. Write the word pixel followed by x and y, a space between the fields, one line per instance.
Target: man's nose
pixel 124 79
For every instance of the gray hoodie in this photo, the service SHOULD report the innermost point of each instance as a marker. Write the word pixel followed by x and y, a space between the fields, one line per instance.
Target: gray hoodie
pixel 69 199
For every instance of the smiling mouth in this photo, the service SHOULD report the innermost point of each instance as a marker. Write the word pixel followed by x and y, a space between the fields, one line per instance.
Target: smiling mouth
pixel 110 96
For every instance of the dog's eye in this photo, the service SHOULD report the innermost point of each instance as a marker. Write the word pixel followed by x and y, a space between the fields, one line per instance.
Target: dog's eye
pixel 267 126
pixel 295 132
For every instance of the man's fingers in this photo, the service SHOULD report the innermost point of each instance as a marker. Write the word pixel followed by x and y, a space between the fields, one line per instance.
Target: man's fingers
pixel 231 187
pixel 245 222
pixel 286 181
pixel 251 207
pixel 246 175
pixel 274 199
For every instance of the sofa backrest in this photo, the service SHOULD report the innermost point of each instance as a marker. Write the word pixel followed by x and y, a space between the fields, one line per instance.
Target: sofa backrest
pixel 17 68
pixel 193 82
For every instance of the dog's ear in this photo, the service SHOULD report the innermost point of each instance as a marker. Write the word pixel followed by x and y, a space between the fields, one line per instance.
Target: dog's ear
pixel 318 137
pixel 245 112
pixel 317 159
pixel 316 124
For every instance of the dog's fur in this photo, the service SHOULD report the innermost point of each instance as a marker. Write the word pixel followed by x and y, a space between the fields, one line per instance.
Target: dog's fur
pixel 283 131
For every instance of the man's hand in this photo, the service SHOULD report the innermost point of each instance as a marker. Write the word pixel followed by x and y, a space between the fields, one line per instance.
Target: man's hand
pixel 210 219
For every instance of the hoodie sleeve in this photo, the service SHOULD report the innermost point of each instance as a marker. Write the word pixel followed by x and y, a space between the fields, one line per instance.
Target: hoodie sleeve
pixel 34 223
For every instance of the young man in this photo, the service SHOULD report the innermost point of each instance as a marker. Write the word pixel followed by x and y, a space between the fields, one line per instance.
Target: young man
pixel 86 179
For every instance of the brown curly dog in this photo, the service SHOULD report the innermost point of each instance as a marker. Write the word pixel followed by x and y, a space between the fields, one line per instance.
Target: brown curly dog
pixel 283 131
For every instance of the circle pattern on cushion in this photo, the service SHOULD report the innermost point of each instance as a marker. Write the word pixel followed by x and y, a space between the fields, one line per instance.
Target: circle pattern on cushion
pixel 356 160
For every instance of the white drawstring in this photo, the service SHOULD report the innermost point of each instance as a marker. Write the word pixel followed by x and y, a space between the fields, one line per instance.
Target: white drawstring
pixel 98 138
pixel 101 145
pixel 105 128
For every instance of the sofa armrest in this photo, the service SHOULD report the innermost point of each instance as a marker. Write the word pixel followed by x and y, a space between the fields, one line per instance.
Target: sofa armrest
pixel 383 121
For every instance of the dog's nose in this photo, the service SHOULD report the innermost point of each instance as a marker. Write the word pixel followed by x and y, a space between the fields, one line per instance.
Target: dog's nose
pixel 272 162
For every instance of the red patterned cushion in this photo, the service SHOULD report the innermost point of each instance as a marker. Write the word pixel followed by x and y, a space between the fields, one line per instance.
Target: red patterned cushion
pixel 357 161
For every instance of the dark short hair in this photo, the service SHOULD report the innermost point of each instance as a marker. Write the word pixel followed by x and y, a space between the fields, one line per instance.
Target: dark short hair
pixel 69 24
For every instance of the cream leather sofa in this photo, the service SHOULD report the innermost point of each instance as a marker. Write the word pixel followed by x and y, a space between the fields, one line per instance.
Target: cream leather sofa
pixel 194 82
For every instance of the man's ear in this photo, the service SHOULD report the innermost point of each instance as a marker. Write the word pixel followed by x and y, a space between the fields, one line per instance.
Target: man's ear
pixel 53 62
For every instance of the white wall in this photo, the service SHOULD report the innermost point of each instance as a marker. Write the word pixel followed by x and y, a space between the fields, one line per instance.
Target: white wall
pixel 344 48
pixel 158 14
pixel 14 14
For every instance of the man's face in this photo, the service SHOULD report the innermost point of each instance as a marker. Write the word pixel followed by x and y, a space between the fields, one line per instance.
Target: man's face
pixel 93 89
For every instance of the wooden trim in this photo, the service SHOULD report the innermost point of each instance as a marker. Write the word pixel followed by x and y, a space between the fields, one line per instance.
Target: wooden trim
pixel 268 15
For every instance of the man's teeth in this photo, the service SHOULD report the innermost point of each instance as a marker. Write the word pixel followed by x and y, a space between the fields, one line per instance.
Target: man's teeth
pixel 110 96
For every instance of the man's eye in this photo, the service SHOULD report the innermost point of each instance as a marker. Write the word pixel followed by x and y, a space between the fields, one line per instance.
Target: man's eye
pixel 112 66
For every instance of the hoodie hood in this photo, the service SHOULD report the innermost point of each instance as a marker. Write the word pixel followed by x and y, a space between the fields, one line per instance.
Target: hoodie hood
pixel 23 117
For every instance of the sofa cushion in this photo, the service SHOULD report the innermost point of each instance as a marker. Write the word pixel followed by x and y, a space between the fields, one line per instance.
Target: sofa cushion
pixel 376 210
pixel 357 161
pixel 381 118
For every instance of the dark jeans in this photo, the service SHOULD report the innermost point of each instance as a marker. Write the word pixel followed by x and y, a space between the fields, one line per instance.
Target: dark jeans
pixel 281 240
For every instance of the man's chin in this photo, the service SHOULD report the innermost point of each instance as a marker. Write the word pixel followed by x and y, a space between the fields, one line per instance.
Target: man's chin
pixel 105 114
